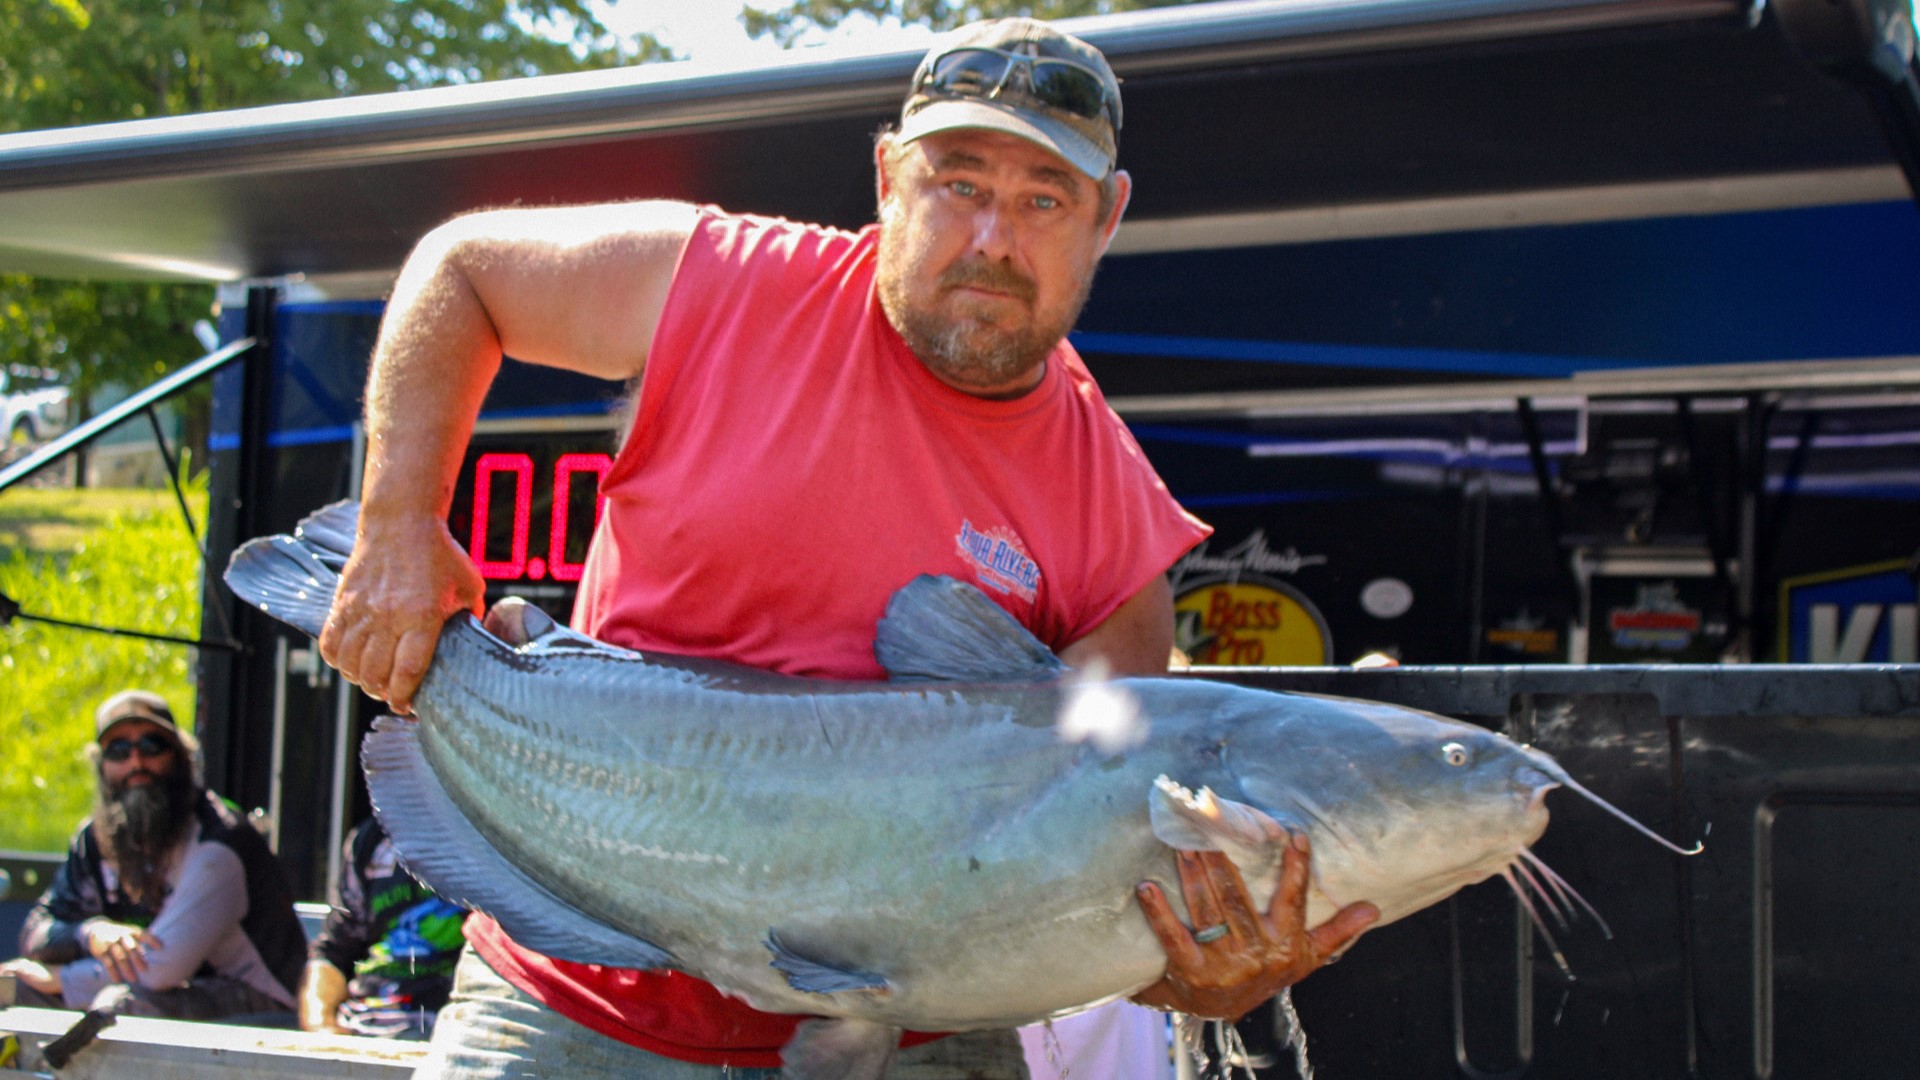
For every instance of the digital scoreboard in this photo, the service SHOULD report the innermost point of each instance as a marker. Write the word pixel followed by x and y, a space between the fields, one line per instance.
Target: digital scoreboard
pixel 526 504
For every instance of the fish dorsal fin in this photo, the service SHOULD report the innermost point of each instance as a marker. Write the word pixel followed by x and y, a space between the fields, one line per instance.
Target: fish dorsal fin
pixel 937 629
pixel 1188 821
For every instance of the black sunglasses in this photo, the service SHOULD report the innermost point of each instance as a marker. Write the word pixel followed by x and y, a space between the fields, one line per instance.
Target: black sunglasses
pixel 152 744
pixel 979 71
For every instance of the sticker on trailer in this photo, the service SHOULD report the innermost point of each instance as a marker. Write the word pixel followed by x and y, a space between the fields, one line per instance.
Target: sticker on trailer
pixel 1867 614
pixel 1230 609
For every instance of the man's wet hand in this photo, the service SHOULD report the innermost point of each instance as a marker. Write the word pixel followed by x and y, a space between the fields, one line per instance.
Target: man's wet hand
pixel 404 581
pixel 1237 956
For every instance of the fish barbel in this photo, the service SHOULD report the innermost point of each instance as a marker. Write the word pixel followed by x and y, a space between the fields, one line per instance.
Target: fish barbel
pixel 926 853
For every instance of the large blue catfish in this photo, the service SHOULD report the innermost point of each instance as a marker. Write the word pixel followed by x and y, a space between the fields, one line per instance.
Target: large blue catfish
pixel 928 853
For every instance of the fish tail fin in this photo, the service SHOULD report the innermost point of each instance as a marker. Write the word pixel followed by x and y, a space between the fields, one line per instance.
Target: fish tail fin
pixel 839 1050
pixel 293 578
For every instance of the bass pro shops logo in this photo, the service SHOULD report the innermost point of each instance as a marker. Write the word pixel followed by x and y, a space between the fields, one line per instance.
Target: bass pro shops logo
pixel 1229 609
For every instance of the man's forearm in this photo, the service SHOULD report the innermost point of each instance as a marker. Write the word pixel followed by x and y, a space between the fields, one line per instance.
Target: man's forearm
pixel 52 932
pixel 208 901
pixel 322 988
pixel 50 940
pixel 579 288
pixel 437 355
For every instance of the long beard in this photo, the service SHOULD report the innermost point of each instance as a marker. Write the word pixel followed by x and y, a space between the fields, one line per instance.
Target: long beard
pixel 139 826
pixel 968 353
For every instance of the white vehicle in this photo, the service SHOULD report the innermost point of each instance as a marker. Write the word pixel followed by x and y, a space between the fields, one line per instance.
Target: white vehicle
pixel 33 407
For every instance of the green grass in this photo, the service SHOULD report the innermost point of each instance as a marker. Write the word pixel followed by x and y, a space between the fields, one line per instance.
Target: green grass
pixel 111 557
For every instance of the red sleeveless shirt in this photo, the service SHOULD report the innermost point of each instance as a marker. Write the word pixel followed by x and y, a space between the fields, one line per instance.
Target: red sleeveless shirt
pixel 791 465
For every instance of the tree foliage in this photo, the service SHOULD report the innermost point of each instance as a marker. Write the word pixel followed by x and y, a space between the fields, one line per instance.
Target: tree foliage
pixel 786 25
pixel 68 62
pixel 97 334
pixel 86 61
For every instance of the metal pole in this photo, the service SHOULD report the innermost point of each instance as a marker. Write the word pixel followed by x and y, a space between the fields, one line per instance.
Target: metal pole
pixel 276 782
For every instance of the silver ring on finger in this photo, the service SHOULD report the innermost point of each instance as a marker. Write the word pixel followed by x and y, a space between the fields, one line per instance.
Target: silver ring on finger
pixel 1211 934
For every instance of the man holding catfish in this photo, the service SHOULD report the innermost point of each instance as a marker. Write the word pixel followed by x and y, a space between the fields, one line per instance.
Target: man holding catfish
pixel 821 416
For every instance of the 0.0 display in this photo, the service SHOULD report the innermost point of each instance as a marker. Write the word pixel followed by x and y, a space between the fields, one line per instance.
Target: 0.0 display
pixel 526 506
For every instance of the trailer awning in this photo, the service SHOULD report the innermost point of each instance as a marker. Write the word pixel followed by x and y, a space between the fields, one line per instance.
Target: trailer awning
pixel 1291 111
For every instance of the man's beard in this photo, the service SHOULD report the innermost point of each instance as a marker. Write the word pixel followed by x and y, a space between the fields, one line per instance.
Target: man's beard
pixel 138 827
pixel 967 352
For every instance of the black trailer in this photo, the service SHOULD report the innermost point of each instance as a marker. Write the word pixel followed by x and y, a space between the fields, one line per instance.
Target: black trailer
pixel 1486 332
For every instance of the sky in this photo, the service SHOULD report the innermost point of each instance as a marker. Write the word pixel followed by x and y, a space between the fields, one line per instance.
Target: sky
pixel 710 30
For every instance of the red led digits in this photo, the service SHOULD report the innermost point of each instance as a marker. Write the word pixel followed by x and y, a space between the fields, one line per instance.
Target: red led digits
pixel 517 564
pixel 563 471
pixel 521 465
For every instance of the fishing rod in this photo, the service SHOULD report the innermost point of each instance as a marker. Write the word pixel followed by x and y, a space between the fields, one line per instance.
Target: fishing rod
pixel 10 610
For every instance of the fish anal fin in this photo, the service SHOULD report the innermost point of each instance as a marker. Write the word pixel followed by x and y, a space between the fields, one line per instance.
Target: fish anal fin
pixel 815 976
pixel 1202 821
pixel 839 1050
pixel 942 629
pixel 448 854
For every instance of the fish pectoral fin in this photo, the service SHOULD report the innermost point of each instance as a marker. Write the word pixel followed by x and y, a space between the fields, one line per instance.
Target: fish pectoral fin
pixel 839 1050
pixel 1203 821
pixel 814 976
pixel 937 629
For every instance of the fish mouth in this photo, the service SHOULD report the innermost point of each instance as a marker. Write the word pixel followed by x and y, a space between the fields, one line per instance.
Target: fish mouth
pixel 1535 785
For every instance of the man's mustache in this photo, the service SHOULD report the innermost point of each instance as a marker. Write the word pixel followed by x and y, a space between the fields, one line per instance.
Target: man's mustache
pixel 983 274
pixel 126 782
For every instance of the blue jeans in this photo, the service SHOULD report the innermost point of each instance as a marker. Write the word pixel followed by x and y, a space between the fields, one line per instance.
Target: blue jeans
pixel 490 1030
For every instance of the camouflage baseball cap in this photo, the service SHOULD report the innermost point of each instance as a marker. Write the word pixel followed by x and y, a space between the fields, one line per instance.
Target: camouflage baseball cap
pixel 1023 77
pixel 133 705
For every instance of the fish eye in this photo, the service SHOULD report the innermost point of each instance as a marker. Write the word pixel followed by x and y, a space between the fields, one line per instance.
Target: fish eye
pixel 1454 753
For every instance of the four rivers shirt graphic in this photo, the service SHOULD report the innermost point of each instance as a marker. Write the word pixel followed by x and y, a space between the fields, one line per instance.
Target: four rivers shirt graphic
pixel 999 559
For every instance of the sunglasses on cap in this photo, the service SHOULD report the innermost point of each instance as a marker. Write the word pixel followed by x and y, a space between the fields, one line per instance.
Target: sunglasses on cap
pixel 983 72
pixel 152 744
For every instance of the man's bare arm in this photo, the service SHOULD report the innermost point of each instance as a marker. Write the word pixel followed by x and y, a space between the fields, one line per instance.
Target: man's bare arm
pixel 1137 639
pixel 322 988
pixel 580 288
